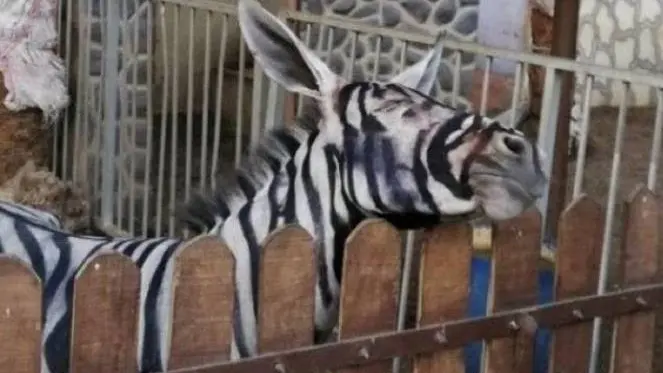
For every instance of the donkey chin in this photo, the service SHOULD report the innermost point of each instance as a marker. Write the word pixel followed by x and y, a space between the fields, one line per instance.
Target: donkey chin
pixel 501 197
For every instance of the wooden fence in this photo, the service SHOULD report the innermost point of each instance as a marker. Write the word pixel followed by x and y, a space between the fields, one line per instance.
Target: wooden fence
pixel 106 300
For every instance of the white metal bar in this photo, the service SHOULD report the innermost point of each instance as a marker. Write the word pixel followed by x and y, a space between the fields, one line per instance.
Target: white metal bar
pixel 189 105
pixel 164 125
pixel 353 57
pixel 174 110
pixel 206 87
pixel 219 97
pixel 64 155
pixel 546 139
pixel 485 85
pixel 401 57
pixel 110 83
pixel 406 280
pixel 557 63
pixel 215 6
pixel 455 87
pixel 376 61
pixel 656 142
pixel 584 135
pixel 124 113
pixel 239 119
pixel 134 117
pixel 515 98
pixel 82 115
pixel 256 107
pixel 150 120
pixel 609 220
pixel 98 111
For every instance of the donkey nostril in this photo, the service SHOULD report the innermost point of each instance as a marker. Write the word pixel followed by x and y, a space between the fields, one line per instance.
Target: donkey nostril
pixel 515 145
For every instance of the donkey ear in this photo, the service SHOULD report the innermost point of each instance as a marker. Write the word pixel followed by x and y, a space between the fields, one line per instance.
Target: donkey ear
pixel 282 56
pixel 423 74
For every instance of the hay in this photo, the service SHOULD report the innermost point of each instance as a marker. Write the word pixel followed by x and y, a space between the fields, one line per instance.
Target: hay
pixel 40 188
pixel 23 138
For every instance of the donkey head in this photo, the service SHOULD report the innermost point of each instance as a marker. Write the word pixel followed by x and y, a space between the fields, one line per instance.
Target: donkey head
pixel 401 152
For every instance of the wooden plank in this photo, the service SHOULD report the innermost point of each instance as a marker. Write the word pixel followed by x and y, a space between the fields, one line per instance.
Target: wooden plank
pixel 580 236
pixel 369 291
pixel 444 278
pixel 516 248
pixel 203 301
pixel 633 338
pixel 105 317
pixel 287 290
pixel 20 318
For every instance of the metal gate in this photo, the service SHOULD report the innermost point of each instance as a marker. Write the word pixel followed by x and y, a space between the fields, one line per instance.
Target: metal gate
pixel 147 128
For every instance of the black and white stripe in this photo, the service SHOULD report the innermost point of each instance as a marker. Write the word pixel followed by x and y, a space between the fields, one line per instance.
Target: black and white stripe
pixel 365 149
pixel 298 176
pixel 35 238
pixel 32 214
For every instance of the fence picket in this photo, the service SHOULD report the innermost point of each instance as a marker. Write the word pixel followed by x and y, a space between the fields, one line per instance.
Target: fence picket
pixel 633 338
pixel 20 318
pixel 578 253
pixel 446 259
pixel 369 295
pixel 287 290
pixel 203 301
pixel 105 314
pixel 513 284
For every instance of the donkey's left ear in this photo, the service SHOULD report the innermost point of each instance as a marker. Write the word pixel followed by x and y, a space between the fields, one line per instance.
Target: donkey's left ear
pixel 282 56
pixel 423 74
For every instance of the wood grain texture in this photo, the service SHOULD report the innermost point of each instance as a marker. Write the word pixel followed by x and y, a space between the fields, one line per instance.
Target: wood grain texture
pixel 516 250
pixel 446 259
pixel 105 317
pixel 287 290
pixel 633 337
pixel 203 301
pixel 20 318
pixel 580 236
pixel 371 276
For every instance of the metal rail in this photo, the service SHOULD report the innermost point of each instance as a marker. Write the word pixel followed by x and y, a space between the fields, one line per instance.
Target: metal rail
pixel 449 335
pixel 550 62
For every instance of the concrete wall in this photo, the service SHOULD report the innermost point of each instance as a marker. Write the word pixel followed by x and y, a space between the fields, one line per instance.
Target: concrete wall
pixel 502 25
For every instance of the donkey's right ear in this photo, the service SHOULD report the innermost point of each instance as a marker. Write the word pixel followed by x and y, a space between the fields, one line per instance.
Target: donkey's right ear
pixel 282 56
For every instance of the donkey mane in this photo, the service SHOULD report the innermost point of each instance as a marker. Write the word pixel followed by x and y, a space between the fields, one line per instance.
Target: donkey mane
pixel 235 186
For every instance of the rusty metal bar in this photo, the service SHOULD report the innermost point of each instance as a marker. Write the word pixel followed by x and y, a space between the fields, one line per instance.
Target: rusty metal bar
pixel 565 31
pixel 447 335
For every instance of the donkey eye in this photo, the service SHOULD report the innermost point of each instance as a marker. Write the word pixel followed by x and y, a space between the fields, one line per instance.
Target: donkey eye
pixel 409 113
pixel 390 105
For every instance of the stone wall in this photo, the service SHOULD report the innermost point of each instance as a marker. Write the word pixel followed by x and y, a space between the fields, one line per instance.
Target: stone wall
pixel 457 18
pixel 624 34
